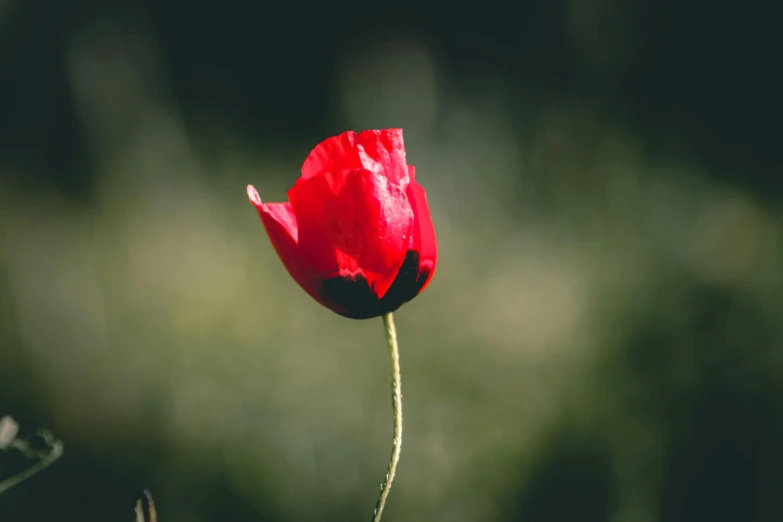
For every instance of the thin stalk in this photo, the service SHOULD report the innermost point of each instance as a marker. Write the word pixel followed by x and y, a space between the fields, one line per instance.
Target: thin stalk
pixel 394 354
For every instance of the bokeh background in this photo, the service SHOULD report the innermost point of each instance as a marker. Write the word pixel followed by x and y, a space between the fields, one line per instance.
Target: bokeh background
pixel 602 340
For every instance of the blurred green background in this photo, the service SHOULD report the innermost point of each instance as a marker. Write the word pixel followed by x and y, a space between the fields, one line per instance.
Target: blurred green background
pixel 601 341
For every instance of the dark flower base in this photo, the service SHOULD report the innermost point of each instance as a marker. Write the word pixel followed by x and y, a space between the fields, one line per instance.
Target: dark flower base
pixel 355 294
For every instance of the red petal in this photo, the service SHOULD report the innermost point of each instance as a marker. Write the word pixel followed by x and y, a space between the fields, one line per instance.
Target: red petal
pixel 280 224
pixel 352 223
pixel 379 151
pixel 423 232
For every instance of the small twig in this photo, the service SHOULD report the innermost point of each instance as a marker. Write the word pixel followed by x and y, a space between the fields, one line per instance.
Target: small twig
pixel 146 505
pixel 8 431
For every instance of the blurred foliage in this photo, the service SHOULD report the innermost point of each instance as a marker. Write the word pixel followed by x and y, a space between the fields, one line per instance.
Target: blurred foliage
pixel 601 340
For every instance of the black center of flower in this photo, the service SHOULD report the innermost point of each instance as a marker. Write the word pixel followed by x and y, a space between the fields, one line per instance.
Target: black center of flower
pixel 355 295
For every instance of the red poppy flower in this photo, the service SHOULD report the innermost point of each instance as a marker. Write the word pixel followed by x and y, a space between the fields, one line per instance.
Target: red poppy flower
pixel 356 233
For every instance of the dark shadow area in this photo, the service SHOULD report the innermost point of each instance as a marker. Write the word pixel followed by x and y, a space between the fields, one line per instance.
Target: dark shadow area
pixel 726 465
pixel 572 480
pixel 104 485
pixel 701 368
pixel 701 68
pixel 706 370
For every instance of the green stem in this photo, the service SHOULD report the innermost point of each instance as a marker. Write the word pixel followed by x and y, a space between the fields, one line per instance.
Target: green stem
pixel 394 353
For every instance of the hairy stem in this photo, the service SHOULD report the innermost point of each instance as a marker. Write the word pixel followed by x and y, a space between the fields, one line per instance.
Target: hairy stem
pixel 394 353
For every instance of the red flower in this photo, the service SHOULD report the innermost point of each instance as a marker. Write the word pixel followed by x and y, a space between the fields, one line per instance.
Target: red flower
pixel 356 233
